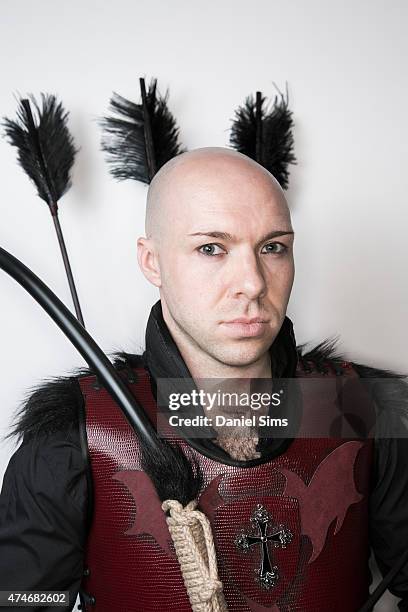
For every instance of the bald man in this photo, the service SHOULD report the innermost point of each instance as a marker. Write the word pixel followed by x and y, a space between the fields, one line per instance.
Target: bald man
pixel 293 518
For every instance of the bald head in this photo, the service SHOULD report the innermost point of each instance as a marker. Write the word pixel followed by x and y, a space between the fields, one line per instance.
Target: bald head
pixel 206 172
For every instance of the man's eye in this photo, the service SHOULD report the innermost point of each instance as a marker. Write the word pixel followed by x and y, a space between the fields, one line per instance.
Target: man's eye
pixel 208 249
pixel 281 248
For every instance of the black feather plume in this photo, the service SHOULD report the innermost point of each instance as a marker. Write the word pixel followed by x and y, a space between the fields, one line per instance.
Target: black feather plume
pixel 124 137
pixel 46 153
pixel 275 149
pixel 46 150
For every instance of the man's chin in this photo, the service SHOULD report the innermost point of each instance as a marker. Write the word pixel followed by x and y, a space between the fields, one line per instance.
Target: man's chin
pixel 242 356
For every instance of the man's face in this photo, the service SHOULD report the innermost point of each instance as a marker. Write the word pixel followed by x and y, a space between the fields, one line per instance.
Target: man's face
pixel 220 260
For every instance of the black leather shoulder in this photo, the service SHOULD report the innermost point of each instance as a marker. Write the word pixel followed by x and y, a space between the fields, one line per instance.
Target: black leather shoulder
pixel 53 404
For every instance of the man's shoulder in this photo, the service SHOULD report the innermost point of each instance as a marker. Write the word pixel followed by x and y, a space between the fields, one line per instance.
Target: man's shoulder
pixel 325 356
pixel 388 387
pixel 322 358
pixel 54 404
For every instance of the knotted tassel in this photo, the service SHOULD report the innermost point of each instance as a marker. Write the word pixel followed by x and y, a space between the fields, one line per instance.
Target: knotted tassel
pixel 192 537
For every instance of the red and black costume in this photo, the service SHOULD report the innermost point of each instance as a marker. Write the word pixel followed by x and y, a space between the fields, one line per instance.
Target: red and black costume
pixel 77 512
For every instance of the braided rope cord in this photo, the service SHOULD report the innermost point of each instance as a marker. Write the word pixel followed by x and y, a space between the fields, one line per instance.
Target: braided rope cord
pixel 193 541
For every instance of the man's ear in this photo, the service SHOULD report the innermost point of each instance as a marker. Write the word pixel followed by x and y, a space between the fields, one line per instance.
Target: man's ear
pixel 148 261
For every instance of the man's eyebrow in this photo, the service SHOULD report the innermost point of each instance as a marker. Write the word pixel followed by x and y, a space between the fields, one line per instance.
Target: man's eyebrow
pixel 227 236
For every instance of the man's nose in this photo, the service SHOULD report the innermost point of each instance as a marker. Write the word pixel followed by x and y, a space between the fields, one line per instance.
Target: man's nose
pixel 249 278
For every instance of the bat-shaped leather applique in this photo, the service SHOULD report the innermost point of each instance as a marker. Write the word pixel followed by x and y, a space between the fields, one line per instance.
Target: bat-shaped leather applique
pixel 328 496
pixel 150 518
pixel 210 499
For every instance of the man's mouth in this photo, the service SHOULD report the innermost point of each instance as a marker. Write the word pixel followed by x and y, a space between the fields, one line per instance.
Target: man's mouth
pixel 246 327
pixel 247 321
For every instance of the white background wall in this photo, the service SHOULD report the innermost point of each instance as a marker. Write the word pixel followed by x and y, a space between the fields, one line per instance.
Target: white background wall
pixel 345 63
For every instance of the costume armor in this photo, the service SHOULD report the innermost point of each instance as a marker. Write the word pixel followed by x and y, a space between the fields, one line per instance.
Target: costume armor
pixel 291 532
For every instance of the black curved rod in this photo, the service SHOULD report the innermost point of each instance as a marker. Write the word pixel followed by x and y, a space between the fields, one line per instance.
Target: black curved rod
pixel 385 582
pixel 83 342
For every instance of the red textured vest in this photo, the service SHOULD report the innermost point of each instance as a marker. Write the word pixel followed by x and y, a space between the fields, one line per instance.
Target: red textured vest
pixel 317 489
